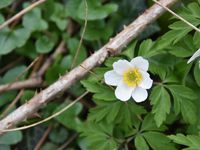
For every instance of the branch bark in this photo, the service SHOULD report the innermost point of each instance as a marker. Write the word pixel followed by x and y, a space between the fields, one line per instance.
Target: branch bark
pixel 112 47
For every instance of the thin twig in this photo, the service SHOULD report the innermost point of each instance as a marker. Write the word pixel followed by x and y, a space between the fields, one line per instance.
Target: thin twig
pixel 29 83
pixel 5 87
pixel 81 40
pixel 11 105
pixel 114 46
pixel 21 13
pixel 176 15
pixel 10 65
pixel 44 137
pixel 48 118
pixel 71 139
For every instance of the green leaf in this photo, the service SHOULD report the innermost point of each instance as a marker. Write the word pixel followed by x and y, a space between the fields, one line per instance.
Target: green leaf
pixel 102 92
pixel 5 3
pixel 96 10
pixel 196 39
pixel 49 146
pixel 197 73
pixel 140 143
pixel 192 141
pixel 145 48
pixel 59 17
pixel 45 44
pixel 130 50
pixel 69 118
pixel 184 48
pixel 99 136
pixel 9 40
pixel 158 141
pixel 11 138
pixel 28 94
pixel 58 135
pixel 33 20
pixel 160 100
pixel 149 124
pixel 72 44
pixel 13 73
pixel 94 31
pixel 182 102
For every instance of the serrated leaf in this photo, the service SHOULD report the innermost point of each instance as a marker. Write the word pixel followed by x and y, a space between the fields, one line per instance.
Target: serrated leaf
pixel 69 118
pixel 192 141
pixel 145 48
pixel 99 136
pixel 160 100
pixel 158 141
pixel 182 102
pixel 140 143
pixel 197 73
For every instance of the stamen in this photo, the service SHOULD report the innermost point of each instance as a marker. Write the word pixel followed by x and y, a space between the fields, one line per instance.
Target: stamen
pixel 132 77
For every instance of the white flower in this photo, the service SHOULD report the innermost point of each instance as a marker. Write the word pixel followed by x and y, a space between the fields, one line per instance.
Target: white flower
pixel 131 79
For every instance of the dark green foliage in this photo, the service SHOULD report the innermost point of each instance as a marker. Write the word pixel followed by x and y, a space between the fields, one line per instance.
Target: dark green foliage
pixel 167 120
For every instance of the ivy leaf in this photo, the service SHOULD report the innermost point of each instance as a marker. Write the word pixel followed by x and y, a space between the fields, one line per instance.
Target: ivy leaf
pixel 196 39
pixel 9 40
pixel 59 17
pixel 5 3
pixel 96 10
pixel 11 138
pixel 69 118
pixel 33 20
pixel 160 100
pixel 94 30
pixel 45 44
pixel 11 74
pixel 192 141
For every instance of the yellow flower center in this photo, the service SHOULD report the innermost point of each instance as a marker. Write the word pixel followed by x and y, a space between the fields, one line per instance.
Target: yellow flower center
pixel 132 77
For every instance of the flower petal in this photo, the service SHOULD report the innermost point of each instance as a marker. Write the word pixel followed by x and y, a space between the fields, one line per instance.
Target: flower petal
pixel 112 78
pixel 120 66
pixel 123 92
pixel 140 63
pixel 139 94
pixel 146 80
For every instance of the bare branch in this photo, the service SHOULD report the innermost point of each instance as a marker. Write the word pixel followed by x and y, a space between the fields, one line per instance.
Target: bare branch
pixel 113 46
pixel 21 13
pixel 29 83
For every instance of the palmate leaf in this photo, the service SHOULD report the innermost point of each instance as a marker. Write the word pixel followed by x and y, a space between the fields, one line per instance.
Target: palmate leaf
pixel 99 136
pixel 116 112
pixel 183 103
pixel 191 141
pixel 160 100
pixel 150 136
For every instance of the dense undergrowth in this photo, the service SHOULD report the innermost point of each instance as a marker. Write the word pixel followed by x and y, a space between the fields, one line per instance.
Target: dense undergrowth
pixel 168 119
